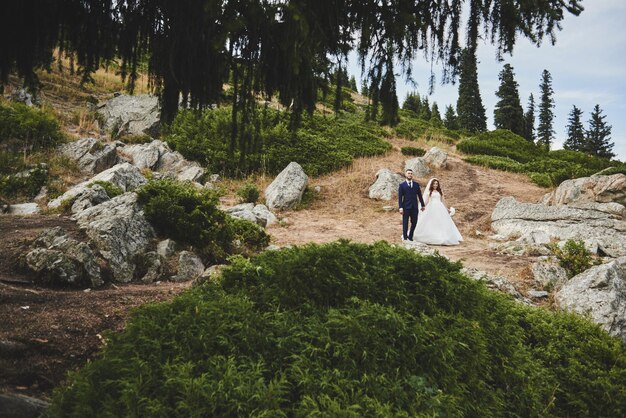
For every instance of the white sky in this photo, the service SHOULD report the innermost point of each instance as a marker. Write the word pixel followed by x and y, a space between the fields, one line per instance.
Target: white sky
pixel 587 63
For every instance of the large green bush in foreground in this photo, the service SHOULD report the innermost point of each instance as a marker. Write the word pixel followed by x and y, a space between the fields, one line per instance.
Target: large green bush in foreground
pixel 349 330
pixel 28 127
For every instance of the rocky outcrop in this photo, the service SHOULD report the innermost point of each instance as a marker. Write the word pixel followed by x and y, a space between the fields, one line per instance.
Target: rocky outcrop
pixel 501 284
pixel 599 292
pixel 548 274
pixel 91 155
pixel 287 188
pixel 151 267
pixel 418 165
pixel 600 189
pixel 436 158
pixel 133 115
pixel 31 208
pixel 594 227
pixel 120 231
pixel 166 248
pixel 258 214
pixel 58 259
pixel 125 176
pixel 386 185
pixel 158 156
pixel 90 196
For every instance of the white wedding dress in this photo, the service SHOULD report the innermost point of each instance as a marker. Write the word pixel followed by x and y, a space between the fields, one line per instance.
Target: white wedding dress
pixel 435 225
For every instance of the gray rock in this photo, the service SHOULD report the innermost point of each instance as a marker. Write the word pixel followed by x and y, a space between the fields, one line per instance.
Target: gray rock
pixel 125 176
pixel 513 218
pixel 599 292
pixel 537 294
pixel 190 267
pixel 243 211
pixel 22 95
pixel 214 178
pixel 42 196
pixel 601 189
pixel 24 209
pixel 418 165
pixel 549 274
pixel 131 115
pixel 386 185
pixel 287 188
pixel 421 248
pixel 166 248
pixel 120 231
pixel 499 283
pixel 144 155
pixel 191 172
pixel 91 155
pixel 211 274
pixel 436 158
pixel 152 266
pixel 13 405
pixel 264 216
pixel 91 196
pixel 61 260
pixel 272 248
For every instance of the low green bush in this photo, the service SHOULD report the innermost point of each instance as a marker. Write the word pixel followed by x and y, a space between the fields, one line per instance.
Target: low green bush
pixel 587 161
pixel 501 143
pixel 248 193
pixel 573 257
pixel 498 163
pixel 28 127
pixel 621 169
pixel 252 237
pixel 349 330
pixel 413 151
pixel 111 189
pixel 26 183
pixel 541 179
pixel 191 216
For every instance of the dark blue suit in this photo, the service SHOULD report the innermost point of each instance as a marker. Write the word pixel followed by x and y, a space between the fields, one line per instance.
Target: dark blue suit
pixel 407 200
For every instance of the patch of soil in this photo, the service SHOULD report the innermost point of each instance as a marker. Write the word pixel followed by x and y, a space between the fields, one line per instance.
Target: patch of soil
pixel 44 332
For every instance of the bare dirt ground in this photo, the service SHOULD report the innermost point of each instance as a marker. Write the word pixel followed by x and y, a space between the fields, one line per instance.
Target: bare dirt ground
pixel 343 209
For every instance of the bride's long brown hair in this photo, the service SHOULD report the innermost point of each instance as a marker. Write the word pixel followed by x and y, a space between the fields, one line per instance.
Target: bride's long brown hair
pixel 430 192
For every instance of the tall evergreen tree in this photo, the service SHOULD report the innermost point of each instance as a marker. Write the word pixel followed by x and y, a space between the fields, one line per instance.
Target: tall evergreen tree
pixel 575 131
pixel 529 119
pixel 353 85
pixel 412 102
pixel 469 105
pixel 364 89
pixel 435 115
pixel 508 113
pixel 598 140
pixel 450 120
pixel 545 130
pixel 425 112
pixel 389 99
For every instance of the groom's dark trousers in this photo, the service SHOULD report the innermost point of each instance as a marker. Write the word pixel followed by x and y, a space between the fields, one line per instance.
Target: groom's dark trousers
pixel 407 200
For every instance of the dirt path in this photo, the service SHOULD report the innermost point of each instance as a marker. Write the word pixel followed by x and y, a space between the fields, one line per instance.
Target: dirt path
pixel 343 209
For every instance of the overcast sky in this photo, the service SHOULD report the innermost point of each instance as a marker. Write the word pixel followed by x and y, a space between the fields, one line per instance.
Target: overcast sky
pixel 587 63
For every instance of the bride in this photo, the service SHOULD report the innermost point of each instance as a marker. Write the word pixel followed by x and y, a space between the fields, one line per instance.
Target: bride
pixel 435 225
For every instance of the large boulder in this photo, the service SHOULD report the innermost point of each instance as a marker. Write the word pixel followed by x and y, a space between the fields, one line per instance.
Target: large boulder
pixel 31 208
pixel 287 188
pixel 258 214
pixel 601 189
pixel 91 196
pixel 91 155
pixel 436 158
pixel 386 185
pixel 418 165
pixel 125 176
pixel 548 274
pixel 190 267
pixel 264 216
pixel 133 115
pixel 120 231
pixel 60 260
pixel 599 292
pixel 13 405
pixel 594 227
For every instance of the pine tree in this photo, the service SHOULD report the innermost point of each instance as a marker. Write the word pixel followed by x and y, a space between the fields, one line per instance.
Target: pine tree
pixel 425 112
pixel 364 89
pixel 508 113
pixel 450 120
pixel 545 130
pixel 599 135
pixel 413 102
pixel 575 131
pixel 353 85
pixel 469 105
pixel 529 119
pixel 389 99
pixel 435 116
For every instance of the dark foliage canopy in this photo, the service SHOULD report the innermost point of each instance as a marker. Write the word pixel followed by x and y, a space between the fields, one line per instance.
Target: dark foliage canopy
pixel 508 113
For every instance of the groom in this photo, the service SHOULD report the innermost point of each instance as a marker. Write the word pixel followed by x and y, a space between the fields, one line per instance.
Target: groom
pixel 408 193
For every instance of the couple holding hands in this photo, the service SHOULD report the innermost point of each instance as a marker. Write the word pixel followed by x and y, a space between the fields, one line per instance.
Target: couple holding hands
pixel 435 225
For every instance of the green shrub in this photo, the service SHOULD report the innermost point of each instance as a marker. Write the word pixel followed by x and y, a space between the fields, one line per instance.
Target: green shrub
pixel 541 179
pixel 502 143
pixel 413 151
pixel 615 170
pixel 26 183
pixel 411 128
pixel 191 216
pixel 349 330
pixel 28 127
pixel 248 193
pixel 573 257
pixel 111 189
pixel 498 163
pixel 587 161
